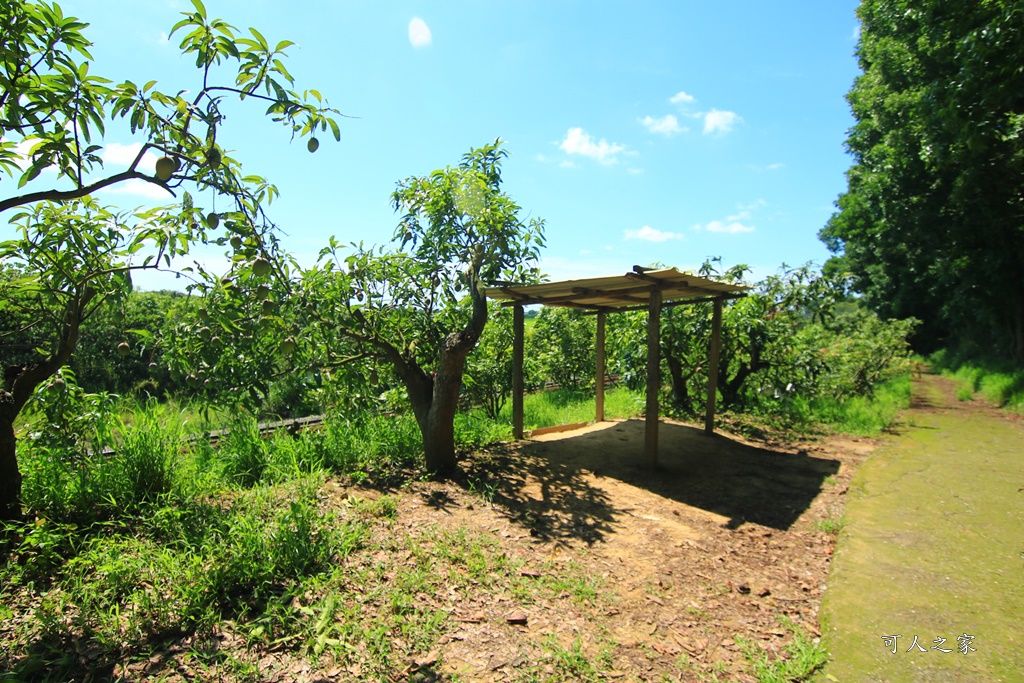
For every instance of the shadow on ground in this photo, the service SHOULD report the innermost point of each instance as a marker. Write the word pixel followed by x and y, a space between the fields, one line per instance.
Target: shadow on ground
pixel 553 486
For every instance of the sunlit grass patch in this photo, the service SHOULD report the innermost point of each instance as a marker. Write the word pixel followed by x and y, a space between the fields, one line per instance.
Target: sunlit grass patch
pixel 801 659
pixel 566 406
pixel 857 415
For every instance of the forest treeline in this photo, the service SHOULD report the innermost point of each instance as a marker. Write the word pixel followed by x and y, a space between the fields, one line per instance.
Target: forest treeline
pixel 932 223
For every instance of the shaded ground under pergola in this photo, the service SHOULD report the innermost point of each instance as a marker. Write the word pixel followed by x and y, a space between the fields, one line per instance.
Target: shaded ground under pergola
pixel 640 289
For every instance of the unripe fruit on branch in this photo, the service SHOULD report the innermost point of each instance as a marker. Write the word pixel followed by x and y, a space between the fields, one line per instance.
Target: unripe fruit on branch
pixel 165 168
pixel 123 349
pixel 261 267
pixel 267 306
pixel 236 242
pixel 212 220
pixel 313 145
pixel 213 157
pixel 288 346
pixel 262 291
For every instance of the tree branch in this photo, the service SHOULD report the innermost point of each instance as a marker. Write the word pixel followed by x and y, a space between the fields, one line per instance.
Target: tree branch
pixel 78 193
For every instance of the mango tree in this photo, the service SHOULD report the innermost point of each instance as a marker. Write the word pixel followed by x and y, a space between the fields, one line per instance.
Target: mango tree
pixel 73 255
pixel 421 311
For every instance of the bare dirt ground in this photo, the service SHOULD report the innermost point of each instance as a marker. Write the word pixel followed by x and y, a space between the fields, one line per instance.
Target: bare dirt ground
pixel 721 543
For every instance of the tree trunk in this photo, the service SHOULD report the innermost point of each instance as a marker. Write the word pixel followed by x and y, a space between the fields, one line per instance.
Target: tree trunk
pixel 10 477
pixel 679 389
pixel 21 383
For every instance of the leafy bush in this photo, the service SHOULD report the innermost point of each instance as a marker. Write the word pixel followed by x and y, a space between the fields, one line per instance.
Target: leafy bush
pixel 488 379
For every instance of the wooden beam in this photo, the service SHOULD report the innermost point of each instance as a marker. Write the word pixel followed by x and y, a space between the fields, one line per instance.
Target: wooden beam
pixel 653 378
pixel 599 397
pixel 518 327
pixel 558 428
pixel 514 294
pixel 673 304
pixel 713 353
pixel 574 296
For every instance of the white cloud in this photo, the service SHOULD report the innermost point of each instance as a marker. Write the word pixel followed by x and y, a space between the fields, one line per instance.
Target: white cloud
pixel 682 98
pixel 567 164
pixel 666 125
pixel 634 171
pixel 649 234
pixel 745 211
pixel 719 121
pixel 776 167
pixel 419 33
pixel 728 227
pixel 579 142
pixel 123 155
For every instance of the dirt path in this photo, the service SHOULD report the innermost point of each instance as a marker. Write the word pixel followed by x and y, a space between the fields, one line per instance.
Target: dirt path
pixel 933 547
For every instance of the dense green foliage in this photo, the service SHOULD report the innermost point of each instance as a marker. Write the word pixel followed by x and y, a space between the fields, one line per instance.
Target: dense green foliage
pixel 72 256
pixel 931 225
pixel 789 345
pixel 560 348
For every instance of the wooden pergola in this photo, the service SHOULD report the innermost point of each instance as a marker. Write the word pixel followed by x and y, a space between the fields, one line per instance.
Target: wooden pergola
pixel 641 289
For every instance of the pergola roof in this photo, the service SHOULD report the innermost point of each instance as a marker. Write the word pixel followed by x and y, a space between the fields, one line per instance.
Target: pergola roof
pixel 631 291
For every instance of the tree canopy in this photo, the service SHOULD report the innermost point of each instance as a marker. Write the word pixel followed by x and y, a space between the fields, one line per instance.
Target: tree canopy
pixel 420 308
pixel 932 223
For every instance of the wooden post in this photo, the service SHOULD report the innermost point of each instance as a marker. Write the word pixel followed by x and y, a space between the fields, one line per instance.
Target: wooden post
pixel 653 377
pixel 517 372
pixel 599 399
pixel 713 353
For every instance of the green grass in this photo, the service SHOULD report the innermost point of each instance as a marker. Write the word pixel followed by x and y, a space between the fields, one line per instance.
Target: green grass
pixel 830 525
pixel 567 406
pixel 859 415
pixel 998 382
pixel 803 657
pixel 181 569
pixel 172 539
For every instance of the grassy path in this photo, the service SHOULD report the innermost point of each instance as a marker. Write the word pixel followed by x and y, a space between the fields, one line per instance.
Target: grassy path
pixel 933 547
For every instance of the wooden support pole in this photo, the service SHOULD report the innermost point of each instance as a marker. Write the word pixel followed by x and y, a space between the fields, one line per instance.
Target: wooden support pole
pixel 517 372
pixel 653 378
pixel 713 353
pixel 599 398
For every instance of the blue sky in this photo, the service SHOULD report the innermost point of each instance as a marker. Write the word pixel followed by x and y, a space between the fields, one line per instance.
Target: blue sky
pixel 640 131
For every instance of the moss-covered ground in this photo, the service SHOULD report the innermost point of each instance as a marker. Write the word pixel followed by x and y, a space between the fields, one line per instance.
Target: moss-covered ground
pixel 933 548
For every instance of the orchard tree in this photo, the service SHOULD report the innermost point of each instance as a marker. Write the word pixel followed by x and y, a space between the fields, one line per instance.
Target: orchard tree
pixel 421 308
pixel 74 255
